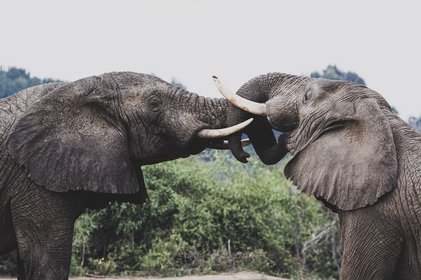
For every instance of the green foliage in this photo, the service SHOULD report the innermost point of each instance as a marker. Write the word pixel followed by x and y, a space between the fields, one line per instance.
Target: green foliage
pixel 8 264
pixel 333 73
pixel 210 216
pixel 17 79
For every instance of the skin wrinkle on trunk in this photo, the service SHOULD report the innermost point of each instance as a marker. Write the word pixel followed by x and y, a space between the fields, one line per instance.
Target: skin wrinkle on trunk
pixel 212 111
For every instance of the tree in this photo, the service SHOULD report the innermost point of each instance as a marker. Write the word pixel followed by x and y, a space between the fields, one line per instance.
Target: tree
pixel 333 73
pixel 17 79
pixel 177 83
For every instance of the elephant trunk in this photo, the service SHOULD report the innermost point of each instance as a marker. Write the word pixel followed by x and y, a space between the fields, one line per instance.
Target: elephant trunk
pixel 210 114
pixel 266 89
pixel 212 111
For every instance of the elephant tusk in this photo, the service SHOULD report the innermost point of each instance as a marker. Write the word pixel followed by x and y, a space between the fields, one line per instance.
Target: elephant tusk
pixel 244 143
pixel 224 145
pixel 222 132
pixel 240 102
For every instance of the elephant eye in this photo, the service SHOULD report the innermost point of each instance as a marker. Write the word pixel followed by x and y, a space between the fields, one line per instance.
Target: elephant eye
pixel 305 98
pixel 155 103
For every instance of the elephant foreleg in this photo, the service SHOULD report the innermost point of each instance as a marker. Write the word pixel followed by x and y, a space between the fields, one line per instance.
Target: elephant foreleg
pixel 7 234
pixel 7 241
pixel 43 223
pixel 371 246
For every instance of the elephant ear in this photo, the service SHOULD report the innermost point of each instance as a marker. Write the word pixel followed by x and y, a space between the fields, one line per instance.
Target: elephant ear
pixel 351 167
pixel 68 140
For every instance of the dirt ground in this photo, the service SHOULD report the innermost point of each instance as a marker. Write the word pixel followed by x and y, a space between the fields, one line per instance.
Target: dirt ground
pixel 234 276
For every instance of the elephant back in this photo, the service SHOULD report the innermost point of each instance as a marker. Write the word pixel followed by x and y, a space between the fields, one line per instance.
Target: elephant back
pixel 12 107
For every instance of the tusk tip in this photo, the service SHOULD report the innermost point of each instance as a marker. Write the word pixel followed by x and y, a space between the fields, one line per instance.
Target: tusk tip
pixel 247 122
pixel 216 81
pixel 222 132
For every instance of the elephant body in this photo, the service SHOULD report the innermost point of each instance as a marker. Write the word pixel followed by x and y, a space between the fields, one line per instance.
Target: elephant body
pixel 349 151
pixel 65 147
pixel 19 215
pixel 383 241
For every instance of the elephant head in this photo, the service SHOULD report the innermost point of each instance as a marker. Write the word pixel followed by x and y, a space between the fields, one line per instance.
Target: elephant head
pixel 95 133
pixel 338 133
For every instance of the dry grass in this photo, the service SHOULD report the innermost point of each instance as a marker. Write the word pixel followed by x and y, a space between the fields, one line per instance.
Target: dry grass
pixel 236 276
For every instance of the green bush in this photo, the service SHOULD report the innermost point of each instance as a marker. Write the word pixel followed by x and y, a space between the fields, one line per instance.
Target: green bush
pixel 207 216
pixel 8 265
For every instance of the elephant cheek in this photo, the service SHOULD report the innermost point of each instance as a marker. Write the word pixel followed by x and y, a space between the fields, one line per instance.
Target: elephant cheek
pixel 279 117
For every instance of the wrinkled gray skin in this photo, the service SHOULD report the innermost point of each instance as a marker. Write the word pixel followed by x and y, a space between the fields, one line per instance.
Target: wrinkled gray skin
pixel 66 147
pixel 351 152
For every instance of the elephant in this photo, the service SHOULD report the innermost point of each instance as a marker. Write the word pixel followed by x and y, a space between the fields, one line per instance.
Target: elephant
pixel 69 146
pixel 349 151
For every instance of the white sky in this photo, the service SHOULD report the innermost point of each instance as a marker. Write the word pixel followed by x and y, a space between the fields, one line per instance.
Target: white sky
pixel 237 40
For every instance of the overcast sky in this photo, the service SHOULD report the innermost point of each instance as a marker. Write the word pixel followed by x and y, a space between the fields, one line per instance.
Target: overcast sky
pixel 237 40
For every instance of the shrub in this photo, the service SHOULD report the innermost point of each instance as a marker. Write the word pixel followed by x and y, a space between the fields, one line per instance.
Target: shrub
pixel 207 216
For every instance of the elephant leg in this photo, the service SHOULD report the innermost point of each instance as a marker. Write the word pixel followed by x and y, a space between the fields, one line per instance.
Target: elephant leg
pixel 7 234
pixel 21 269
pixel 371 246
pixel 43 223
pixel 7 241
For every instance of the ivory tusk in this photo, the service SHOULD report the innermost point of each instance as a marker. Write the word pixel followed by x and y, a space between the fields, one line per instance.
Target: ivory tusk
pixel 244 142
pixel 240 102
pixel 222 132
